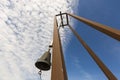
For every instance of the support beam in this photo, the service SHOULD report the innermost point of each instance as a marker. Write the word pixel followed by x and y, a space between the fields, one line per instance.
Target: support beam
pixel 102 28
pixel 102 66
pixel 58 65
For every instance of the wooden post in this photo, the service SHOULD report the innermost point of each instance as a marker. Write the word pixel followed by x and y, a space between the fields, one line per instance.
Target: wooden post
pixel 100 27
pixel 58 65
pixel 102 66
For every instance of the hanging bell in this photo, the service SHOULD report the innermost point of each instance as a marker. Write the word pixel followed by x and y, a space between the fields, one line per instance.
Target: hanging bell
pixel 43 63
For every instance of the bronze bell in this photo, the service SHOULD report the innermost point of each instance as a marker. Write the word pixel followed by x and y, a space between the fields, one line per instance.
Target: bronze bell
pixel 43 63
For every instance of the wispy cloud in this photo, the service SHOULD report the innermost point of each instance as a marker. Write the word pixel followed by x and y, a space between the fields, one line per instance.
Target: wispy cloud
pixel 25 32
pixel 84 74
pixel 80 73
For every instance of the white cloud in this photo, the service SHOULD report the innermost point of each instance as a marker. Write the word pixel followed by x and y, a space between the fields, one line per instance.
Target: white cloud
pixel 25 32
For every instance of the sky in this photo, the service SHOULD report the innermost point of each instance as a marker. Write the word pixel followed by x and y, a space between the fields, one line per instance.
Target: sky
pixel 80 66
pixel 26 28
pixel 26 31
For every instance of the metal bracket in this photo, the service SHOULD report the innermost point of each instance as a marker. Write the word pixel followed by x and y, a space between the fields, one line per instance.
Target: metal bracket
pixel 62 24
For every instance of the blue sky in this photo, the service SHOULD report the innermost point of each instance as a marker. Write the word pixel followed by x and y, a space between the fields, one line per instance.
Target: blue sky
pixel 80 66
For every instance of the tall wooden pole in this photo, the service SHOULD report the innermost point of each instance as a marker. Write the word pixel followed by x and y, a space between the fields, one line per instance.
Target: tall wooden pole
pixel 100 27
pixel 58 65
pixel 102 66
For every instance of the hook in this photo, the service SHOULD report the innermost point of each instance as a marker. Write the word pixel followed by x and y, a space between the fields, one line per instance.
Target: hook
pixel 40 73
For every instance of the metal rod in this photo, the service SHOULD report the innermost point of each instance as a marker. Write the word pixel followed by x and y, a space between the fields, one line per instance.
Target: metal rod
pixel 100 27
pixel 59 14
pixel 67 19
pixel 58 65
pixel 102 66
pixel 61 18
